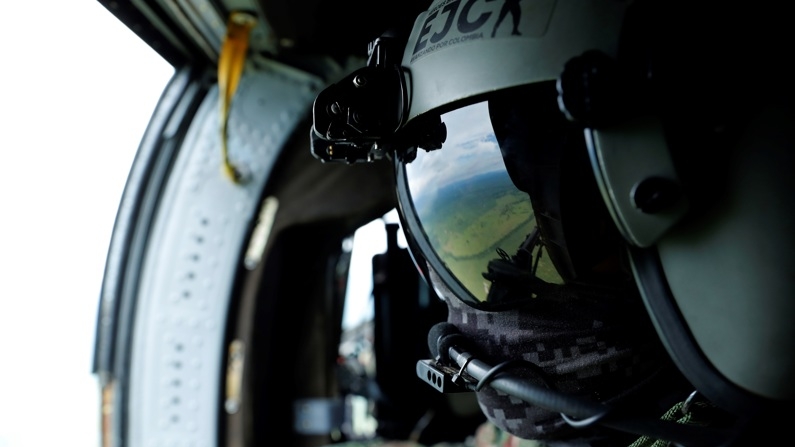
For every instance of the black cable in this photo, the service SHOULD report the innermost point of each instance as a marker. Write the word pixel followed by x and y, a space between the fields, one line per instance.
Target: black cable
pixel 587 412
pixel 582 423
pixel 493 372
pixel 511 363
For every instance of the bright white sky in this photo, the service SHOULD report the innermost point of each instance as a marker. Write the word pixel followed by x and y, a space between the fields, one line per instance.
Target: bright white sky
pixel 78 89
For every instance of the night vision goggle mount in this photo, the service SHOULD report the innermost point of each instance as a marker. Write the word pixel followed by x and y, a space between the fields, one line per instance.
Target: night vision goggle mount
pixel 360 118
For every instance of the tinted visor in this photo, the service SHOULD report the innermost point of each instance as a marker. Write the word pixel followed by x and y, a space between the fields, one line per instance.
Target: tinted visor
pixel 468 210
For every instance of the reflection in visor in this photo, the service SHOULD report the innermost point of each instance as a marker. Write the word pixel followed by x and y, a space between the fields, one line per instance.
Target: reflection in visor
pixel 467 205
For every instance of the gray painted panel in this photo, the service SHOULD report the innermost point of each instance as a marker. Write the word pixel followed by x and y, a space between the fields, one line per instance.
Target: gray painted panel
pixel 190 264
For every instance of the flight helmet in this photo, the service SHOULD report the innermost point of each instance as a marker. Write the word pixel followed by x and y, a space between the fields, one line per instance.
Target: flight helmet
pixel 603 188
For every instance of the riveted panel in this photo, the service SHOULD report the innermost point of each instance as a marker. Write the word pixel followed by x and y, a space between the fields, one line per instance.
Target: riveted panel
pixel 192 256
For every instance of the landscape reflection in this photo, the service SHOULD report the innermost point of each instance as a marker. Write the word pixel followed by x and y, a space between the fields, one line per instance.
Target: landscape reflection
pixel 466 202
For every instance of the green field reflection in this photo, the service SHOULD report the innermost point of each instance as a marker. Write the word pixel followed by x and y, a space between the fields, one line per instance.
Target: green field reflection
pixel 467 204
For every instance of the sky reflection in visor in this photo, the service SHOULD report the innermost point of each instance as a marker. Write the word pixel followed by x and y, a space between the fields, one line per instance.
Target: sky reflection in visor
pixel 465 201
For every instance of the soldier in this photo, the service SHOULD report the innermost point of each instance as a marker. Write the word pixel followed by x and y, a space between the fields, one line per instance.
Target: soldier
pixel 603 199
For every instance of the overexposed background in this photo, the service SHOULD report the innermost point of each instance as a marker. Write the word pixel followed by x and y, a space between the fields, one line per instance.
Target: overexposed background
pixel 77 91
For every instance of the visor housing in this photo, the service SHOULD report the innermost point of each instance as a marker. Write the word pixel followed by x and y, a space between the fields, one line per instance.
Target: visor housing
pixel 460 49
pixel 508 209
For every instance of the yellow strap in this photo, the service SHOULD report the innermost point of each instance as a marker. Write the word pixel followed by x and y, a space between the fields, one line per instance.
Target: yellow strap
pixel 230 66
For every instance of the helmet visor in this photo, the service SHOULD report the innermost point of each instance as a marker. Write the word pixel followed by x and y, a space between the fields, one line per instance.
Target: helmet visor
pixel 471 222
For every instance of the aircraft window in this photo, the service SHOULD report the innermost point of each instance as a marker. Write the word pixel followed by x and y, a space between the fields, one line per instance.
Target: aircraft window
pixel 368 241
pixel 385 322
pixel 356 351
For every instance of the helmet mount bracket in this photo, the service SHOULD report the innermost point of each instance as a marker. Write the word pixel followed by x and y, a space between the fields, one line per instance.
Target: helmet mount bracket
pixel 359 118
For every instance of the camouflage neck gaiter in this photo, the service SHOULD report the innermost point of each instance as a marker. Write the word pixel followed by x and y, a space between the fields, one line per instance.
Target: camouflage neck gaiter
pixel 603 352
